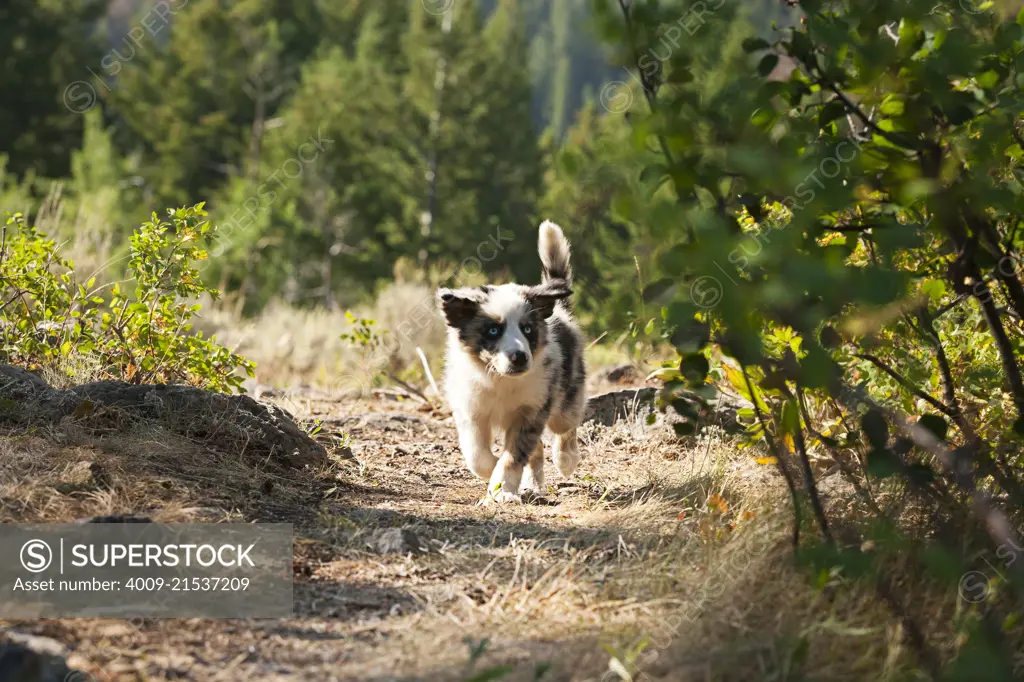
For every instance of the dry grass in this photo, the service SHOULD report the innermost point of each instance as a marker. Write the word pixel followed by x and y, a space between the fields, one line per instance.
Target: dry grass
pixel 66 472
pixel 672 557
pixel 292 345
pixel 303 347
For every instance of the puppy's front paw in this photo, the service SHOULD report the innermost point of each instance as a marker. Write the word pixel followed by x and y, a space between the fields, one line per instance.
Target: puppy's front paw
pixel 501 498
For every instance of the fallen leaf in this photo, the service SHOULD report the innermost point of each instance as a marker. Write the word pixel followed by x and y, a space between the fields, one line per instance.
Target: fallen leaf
pixel 84 409
pixel 719 503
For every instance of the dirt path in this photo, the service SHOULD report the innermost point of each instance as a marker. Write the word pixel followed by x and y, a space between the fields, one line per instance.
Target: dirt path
pixel 536 588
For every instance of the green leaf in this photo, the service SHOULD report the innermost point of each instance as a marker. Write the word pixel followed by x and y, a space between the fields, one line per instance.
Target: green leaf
pixel 802 47
pixel 830 112
pixel 655 173
pixel 790 417
pixel 695 368
pixel 921 474
pixel 773 381
pixel 875 428
pixel 679 76
pixel 655 290
pixel 755 44
pixel 816 368
pixel 690 336
pixel 492 674
pixel 893 107
pixel 830 338
pixel 935 289
pixel 934 423
pixel 685 408
pixel 767 64
pixel 988 79
pixel 901 446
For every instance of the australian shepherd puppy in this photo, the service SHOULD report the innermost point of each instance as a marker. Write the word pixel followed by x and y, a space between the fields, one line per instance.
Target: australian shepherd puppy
pixel 514 363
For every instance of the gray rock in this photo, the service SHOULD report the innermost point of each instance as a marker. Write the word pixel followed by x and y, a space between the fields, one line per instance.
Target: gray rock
pixel 395 541
pixel 608 408
pixel 29 658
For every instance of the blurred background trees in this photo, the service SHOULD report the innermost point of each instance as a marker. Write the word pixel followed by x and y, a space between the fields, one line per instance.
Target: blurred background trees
pixel 431 139
pixel 434 139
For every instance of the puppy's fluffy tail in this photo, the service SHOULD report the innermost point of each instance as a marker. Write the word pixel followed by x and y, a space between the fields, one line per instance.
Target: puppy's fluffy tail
pixel 554 253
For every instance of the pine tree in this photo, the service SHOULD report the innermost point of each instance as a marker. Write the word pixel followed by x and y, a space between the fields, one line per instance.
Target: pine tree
pixel 199 107
pixel 561 15
pixel 511 166
pixel 45 49
pixel 328 209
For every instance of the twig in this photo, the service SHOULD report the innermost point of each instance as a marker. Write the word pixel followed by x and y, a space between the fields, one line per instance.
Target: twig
pixel 594 342
pixel 851 107
pixel 926 330
pixel 12 299
pixel 848 473
pixel 783 469
pixel 988 464
pixel 809 482
pixel 949 306
pixel 409 387
pixel 650 89
pixel 938 405
pixel 426 369
pixel 917 639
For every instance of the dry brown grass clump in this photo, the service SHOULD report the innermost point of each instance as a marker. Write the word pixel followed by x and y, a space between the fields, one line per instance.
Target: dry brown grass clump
pixel 293 346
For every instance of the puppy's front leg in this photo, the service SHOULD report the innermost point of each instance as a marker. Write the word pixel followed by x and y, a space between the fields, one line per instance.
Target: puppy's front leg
pixel 521 441
pixel 475 443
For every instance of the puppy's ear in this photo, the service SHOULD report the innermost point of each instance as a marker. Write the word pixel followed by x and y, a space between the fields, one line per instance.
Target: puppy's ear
pixel 459 305
pixel 543 297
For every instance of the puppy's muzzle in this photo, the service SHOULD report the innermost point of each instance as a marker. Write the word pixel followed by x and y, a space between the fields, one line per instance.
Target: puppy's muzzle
pixel 518 362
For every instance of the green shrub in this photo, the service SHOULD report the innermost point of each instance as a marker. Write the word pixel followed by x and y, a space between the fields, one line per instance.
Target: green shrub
pixel 842 246
pixel 140 336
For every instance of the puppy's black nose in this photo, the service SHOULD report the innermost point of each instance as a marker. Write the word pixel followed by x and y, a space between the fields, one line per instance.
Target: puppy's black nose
pixel 518 359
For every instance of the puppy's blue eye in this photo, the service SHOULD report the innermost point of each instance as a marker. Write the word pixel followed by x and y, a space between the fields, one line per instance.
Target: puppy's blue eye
pixel 494 331
pixel 527 328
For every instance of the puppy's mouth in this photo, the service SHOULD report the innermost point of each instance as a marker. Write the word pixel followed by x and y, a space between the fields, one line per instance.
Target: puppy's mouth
pixel 512 371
